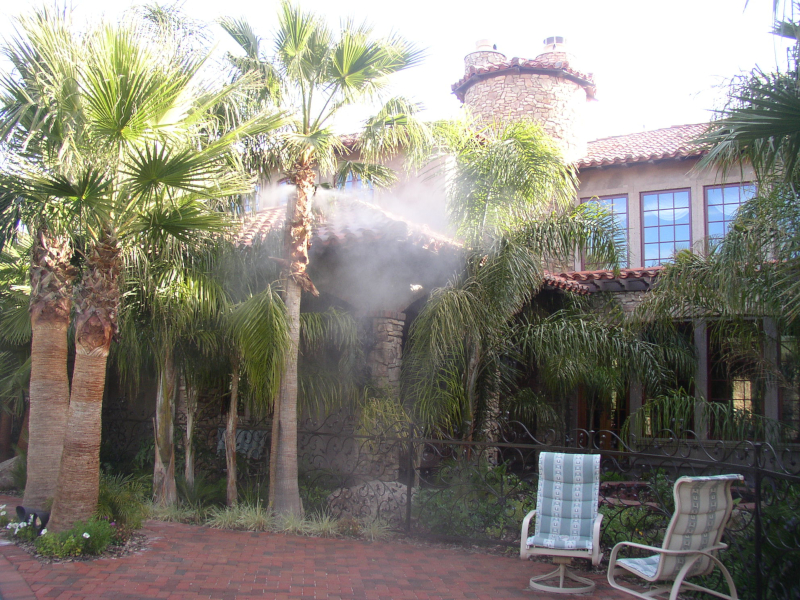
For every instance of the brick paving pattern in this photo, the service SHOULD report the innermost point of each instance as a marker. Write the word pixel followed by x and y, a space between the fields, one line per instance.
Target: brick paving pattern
pixel 190 562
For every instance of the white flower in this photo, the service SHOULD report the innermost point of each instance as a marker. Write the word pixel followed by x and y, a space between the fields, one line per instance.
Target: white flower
pixel 43 531
pixel 2 506
pixel 2 513
pixel 10 526
pixel 86 535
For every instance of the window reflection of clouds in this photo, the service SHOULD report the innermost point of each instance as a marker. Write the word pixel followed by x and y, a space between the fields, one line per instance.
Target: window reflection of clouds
pixel 722 204
pixel 666 219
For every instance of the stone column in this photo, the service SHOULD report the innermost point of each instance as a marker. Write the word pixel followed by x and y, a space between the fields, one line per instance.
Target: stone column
pixel 701 378
pixel 385 356
pixel 772 358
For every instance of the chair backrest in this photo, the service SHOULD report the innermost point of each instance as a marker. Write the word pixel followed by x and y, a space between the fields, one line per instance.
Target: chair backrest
pixel 703 506
pixel 568 494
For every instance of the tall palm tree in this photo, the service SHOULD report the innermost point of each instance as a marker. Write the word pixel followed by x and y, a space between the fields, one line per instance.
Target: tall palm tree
pixel 37 123
pixel 510 202
pixel 319 72
pixel 145 158
pixel 15 338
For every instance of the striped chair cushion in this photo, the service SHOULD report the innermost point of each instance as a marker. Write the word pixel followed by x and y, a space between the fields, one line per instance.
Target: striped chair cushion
pixel 566 502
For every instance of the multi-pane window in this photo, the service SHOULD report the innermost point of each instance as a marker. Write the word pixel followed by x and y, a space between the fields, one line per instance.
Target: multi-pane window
pixel 618 207
pixel 722 204
pixel 666 225
pixel 355 185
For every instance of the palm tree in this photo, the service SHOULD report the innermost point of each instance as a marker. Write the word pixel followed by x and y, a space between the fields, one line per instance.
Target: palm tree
pixel 511 202
pixel 761 123
pixel 145 159
pixel 15 339
pixel 319 74
pixel 37 122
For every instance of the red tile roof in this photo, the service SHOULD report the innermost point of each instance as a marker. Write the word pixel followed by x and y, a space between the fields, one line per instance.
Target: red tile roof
pixel 353 221
pixel 658 144
pixel 637 273
pixel 560 282
pixel 347 222
pixel 538 65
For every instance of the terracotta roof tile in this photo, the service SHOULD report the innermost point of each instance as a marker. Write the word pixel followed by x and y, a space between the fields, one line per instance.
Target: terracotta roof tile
pixel 561 67
pixel 560 282
pixel 637 273
pixel 671 142
pixel 347 222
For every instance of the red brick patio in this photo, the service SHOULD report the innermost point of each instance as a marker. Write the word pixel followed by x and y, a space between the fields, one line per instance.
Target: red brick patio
pixel 188 562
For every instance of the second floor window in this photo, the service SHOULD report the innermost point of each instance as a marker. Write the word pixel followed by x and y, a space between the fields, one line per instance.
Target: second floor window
pixel 618 207
pixel 722 204
pixel 666 225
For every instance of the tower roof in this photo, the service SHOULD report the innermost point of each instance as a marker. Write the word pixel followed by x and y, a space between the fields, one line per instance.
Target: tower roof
pixel 541 65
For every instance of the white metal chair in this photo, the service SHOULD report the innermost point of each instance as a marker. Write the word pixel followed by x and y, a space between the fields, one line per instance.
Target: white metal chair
pixel 567 521
pixel 703 506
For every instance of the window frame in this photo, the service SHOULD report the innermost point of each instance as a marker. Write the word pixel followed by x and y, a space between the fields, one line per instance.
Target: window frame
pixel 721 186
pixel 688 190
pixel 626 196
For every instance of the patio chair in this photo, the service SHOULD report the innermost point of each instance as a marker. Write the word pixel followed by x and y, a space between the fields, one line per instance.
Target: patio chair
pixel 567 522
pixel 703 506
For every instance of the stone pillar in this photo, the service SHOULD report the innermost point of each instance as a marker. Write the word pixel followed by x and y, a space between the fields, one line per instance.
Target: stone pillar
pixel 385 356
pixel 772 358
pixel 635 396
pixel 701 378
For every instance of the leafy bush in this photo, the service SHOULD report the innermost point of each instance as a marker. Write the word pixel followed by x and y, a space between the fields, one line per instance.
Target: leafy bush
pixel 474 499
pixel 122 500
pixel 348 527
pixel 23 531
pixel 314 497
pixel 84 539
pixel 204 492
pixel 640 524
pixel 4 518
pixel 780 547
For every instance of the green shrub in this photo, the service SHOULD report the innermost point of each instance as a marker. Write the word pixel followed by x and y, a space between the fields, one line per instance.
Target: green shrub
pixel 4 518
pixel 613 476
pixel 23 531
pixel 84 539
pixel 122 500
pixel 348 527
pixel 54 545
pixel 472 500
pixel 640 524
pixel 204 492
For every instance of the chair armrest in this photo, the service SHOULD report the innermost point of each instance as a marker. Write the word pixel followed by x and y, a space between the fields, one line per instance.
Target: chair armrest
pixel 613 558
pixel 523 540
pixel 597 553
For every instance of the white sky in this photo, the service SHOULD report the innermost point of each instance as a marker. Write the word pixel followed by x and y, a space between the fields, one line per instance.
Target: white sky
pixel 656 63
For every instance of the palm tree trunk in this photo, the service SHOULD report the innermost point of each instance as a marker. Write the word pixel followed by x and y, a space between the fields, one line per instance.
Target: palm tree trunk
pixel 191 410
pixel 284 490
pixel 51 302
pixel 230 437
pixel 165 492
pixel 22 440
pixel 97 307
pixel 6 450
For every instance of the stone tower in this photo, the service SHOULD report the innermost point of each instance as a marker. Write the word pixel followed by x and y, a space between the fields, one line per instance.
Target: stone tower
pixel 547 89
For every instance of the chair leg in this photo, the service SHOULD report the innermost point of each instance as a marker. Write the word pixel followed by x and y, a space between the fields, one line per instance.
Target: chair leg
pixel 563 574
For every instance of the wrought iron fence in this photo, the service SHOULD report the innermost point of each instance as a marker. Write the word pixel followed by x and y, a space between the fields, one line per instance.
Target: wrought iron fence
pixel 445 487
